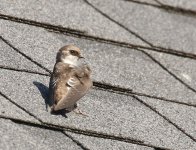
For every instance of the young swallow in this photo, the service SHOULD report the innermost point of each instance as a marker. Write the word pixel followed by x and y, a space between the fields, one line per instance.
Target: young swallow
pixel 70 79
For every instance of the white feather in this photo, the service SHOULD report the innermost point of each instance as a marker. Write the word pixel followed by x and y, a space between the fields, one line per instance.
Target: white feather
pixel 72 60
pixel 71 82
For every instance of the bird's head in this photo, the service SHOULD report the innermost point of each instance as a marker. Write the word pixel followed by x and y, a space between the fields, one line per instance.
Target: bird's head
pixel 69 54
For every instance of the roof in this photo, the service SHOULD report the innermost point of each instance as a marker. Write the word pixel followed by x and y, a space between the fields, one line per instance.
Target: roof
pixel 143 60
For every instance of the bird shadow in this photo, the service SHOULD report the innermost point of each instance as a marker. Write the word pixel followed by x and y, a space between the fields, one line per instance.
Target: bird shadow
pixel 44 91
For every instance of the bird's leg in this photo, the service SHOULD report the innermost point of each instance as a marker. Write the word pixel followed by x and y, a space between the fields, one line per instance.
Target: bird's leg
pixel 52 109
pixel 78 111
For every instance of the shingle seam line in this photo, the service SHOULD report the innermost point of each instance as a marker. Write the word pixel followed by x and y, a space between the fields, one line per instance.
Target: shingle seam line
pixel 166 7
pixel 91 133
pixel 106 87
pixel 107 41
pixel 23 54
pixel 165 118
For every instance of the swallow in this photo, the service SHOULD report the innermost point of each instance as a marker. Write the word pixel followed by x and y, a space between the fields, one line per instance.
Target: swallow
pixel 70 79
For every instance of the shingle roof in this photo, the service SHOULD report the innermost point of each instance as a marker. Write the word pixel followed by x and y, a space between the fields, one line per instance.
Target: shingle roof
pixel 143 58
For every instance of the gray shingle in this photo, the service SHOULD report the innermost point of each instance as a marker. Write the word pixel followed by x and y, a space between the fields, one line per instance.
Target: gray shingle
pixel 191 4
pixel 183 68
pixel 111 64
pixel 157 26
pixel 95 143
pixel 73 14
pixel 8 109
pixel 17 136
pixel 10 58
pixel 183 116
pixel 109 113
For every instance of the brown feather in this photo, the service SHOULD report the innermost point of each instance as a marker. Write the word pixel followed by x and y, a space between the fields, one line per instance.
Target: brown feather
pixel 68 82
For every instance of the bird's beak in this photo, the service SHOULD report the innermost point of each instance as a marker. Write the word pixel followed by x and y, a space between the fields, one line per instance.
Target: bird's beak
pixel 81 57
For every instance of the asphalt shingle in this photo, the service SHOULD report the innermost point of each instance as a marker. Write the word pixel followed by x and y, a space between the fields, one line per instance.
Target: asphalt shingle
pixel 17 136
pixel 190 5
pixel 107 112
pixel 95 143
pixel 11 58
pixel 183 68
pixel 163 117
pixel 8 109
pixel 111 64
pixel 74 14
pixel 157 26
pixel 29 137
pixel 183 116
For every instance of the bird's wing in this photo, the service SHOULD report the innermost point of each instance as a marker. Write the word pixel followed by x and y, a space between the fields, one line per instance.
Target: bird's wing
pixel 54 85
pixel 51 90
pixel 76 90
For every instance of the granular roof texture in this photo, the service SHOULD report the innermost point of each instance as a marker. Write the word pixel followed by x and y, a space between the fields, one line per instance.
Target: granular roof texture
pixel 143 59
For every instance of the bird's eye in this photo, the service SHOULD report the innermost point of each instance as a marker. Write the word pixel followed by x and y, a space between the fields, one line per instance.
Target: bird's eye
pixel 73 52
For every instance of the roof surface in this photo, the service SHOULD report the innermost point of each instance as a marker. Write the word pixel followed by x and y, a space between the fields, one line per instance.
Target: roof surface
pixel 143 58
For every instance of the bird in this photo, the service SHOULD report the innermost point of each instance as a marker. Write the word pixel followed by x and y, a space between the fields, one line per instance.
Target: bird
pixel 70 79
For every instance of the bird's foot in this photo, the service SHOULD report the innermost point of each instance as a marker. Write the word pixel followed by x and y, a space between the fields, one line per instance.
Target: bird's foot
pixel 52 109
pixel 78 111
